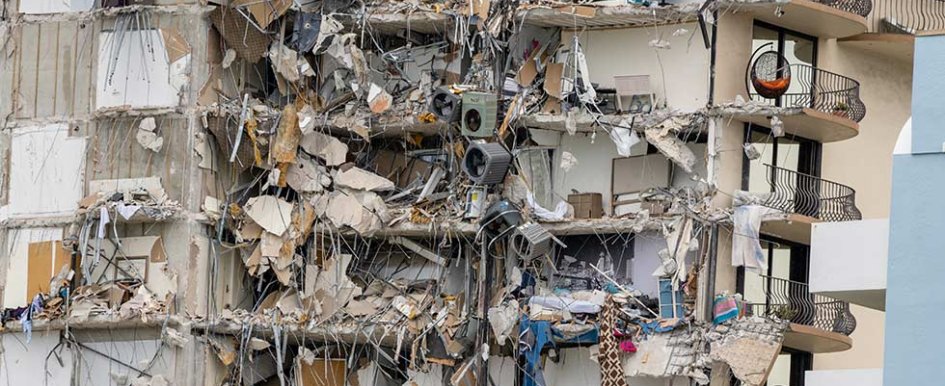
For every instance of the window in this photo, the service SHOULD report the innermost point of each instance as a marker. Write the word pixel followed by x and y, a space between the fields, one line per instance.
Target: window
pixel 796 48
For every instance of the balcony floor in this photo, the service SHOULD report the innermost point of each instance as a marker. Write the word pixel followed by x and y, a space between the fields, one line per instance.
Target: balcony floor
pixel 815 340
pixel 790 227
pixel 812 18
pixel 808 123
pixel 899 47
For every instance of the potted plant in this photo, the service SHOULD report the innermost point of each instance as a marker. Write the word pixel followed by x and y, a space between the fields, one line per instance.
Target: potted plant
pixel 841 110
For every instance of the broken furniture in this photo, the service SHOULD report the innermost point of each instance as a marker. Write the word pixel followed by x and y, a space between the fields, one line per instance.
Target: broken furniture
pixel 638 89
pixel 486 163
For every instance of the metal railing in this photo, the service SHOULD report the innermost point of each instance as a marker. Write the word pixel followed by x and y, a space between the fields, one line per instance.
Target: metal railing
pixel 811 196
pixel 859 7
pixel 820 90
pixel 907 16
pixel 792 300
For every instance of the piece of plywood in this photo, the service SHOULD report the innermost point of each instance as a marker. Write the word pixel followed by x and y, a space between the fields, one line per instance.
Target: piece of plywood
pixel 45 261
pixel 321 372
pixel 553 74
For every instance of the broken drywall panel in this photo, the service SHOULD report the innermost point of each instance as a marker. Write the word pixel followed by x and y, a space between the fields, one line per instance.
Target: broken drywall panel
pixel 132 75
pixel 307 176
pixel 46 170
pixel 18 263
pixel 350 176
pixel 271 213
pixel 54 6
pixel 365 212
pixel 326 147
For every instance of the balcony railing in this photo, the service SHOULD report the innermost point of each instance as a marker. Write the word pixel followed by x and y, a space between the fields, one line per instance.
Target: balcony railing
pixel 821 90
pixel 859 7
pixel 791 300
pixel 804 194
pixel 907 16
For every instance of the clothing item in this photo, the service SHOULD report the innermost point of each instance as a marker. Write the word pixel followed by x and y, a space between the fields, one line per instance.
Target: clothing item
pixel 746 244
pixel 725 308
pixel 611 370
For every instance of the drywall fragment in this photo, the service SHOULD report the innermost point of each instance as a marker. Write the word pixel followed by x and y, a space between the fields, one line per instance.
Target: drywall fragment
pixel 333 288
pixel 174 338
pixel 503 318
pixel 224 347
pixel 146 136
pixel 406 306
pixel 284 61
pixel 228 58
pixel 553 73
pixel 211 208
pixel 350 176
pixel 202 149
pixel 568 161
pixel 326 147
pixel 306 117
pixel 250 230
pixel 271 213
pixel 270 244
pixel 365 212
pixel 358 308
pixel 379 99
pixel 258 344
pixel 286 146
pixel 665 140
pixel 174 44
pixel 326 32
pixel 307 176
pixel 144 380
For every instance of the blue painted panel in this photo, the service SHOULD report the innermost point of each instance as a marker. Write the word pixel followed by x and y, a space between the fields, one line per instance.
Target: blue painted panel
pixel 928 95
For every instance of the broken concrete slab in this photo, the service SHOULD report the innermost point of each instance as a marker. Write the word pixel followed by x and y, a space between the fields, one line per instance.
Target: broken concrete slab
pixel 330 149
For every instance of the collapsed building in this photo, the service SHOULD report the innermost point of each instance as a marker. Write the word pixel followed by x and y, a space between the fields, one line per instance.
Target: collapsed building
pixel 416 193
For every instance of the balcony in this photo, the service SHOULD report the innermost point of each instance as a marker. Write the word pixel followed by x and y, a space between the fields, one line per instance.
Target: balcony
pixel 805 200
pixel 818 324
pixel 821 18
pixel 821 105
pixel 893 25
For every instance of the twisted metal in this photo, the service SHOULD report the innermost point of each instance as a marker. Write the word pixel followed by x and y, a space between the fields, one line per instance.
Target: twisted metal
pixel 804 194
pixel 792 300
pixel 821 90
pixel 907 16
pixel 859 7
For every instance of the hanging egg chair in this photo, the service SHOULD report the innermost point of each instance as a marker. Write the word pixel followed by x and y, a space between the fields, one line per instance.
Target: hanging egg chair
pixel 770 73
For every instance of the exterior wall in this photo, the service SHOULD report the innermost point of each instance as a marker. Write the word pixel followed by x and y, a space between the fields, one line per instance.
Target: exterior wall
pixel 865 377
pixel 916 228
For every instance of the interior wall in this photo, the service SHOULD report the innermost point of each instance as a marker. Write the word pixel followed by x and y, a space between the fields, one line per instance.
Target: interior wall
pixel 678 74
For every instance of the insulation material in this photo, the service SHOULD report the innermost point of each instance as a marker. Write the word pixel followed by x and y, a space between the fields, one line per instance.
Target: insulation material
pixel 131 75
pixel 40 183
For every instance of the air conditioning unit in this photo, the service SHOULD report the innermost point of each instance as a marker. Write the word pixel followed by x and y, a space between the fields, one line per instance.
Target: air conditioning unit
pixel 445 105
pixel 530 240
pixel 486 163
pixel 480 114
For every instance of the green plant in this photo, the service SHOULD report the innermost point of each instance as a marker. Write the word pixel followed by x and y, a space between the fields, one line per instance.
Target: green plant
pixel 783 312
